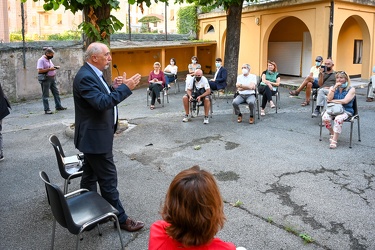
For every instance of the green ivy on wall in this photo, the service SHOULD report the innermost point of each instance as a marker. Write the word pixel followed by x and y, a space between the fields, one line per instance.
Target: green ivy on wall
pixel 187 20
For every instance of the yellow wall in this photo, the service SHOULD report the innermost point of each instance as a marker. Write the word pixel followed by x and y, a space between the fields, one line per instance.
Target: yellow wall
pixel 141 60
pixel 286 21
pixel 348 33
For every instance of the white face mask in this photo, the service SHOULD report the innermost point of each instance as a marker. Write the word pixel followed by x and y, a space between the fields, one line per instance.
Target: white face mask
pixel 218 64
pixel 245 71
pixel 194 61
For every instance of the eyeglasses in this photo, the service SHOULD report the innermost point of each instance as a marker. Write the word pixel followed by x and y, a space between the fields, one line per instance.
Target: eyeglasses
pixel 341 72
pixel 244 68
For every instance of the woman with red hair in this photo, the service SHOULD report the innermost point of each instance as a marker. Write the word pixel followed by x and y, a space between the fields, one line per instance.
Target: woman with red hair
pixel 192 214
pixel 269 84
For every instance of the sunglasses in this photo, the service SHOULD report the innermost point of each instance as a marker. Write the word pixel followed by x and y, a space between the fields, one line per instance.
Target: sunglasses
pixel 341 73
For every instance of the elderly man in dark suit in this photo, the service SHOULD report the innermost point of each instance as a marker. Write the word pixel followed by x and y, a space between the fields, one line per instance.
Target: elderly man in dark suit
pixel 4 111
pixel 95 123
pixel 219 82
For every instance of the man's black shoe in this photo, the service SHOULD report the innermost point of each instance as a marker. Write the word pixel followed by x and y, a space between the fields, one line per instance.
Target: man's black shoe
pixel 61 108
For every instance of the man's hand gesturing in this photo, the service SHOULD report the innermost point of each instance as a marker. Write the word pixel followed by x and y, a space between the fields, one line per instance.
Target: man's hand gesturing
pixel 132 82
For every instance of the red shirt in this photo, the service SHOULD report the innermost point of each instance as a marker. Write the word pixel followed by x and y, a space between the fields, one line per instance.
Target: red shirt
pixel 160 240
pixel 159 76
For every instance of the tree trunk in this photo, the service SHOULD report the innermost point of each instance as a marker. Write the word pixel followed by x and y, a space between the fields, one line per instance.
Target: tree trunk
pixel 232 43
pixel 101 13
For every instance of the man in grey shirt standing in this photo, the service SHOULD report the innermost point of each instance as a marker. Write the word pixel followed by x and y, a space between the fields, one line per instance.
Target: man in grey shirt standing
pixel 327 79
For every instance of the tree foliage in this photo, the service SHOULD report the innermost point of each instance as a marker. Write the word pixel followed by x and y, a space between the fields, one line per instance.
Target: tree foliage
pixel 149 19
pixel 98 23
pixel 187 20
pixel 233 9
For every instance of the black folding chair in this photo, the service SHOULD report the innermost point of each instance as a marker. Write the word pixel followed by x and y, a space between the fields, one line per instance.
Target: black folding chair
pixel 351 120
pixel 79 211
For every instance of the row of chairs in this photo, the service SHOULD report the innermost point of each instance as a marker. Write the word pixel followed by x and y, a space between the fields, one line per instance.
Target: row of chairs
pixel 80 210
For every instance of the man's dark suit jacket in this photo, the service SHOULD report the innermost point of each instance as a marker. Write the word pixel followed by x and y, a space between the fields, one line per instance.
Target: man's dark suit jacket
pixel 94 112
pixel 4 105
pixel 221 78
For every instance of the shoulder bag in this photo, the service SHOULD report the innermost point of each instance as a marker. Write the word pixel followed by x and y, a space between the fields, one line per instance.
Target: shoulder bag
pixel 42 77
pixel 335 109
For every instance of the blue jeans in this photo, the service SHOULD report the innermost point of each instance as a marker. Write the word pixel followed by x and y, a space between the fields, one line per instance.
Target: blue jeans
pixel 168 79
pixel 50 84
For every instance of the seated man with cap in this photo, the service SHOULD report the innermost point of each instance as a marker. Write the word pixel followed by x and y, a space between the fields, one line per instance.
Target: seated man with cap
pixel 311 81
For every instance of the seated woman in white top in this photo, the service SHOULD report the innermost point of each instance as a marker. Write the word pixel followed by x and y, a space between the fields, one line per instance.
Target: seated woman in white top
pixel 170 72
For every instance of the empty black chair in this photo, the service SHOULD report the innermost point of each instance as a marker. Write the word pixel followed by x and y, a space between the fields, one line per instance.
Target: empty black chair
pixel 69 167
pixel 351 120
pixel 78 211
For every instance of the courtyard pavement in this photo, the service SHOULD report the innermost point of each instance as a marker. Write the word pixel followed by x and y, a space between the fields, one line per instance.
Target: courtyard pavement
pixel 278 181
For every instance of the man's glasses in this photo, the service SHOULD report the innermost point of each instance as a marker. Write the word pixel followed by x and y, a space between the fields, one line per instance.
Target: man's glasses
pixel 244 68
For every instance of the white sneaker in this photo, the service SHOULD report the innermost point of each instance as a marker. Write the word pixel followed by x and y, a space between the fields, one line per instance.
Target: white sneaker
pixel 205 120
pixel 186 118
pixel 165 92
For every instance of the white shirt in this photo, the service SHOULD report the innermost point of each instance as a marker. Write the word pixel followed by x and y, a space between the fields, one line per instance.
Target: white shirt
pixel 315 70
pixel 245 81
pixel 203 83
pixel 100 75
pixel 172 68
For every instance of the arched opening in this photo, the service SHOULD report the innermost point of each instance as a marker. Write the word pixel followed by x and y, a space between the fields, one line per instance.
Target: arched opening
pixel 353 44
pixel 290 46
pixel 210 29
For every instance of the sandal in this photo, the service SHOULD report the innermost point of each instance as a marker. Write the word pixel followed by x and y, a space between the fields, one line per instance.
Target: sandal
pixel 305 103
pixel 293 93
pixel 332 144
pixel 330 138
pixel 272 105
pixel 262 113
pixel 152 107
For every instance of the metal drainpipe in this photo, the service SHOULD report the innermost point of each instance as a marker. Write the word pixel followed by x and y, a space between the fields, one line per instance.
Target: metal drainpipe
pixel 130 27
pixel 23 36
pixel 330 29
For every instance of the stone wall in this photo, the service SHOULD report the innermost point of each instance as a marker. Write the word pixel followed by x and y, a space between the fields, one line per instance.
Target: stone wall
pixel 18 71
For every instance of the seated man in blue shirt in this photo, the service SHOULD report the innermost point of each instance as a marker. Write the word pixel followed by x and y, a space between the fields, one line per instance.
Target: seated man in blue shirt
pixel 219 82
